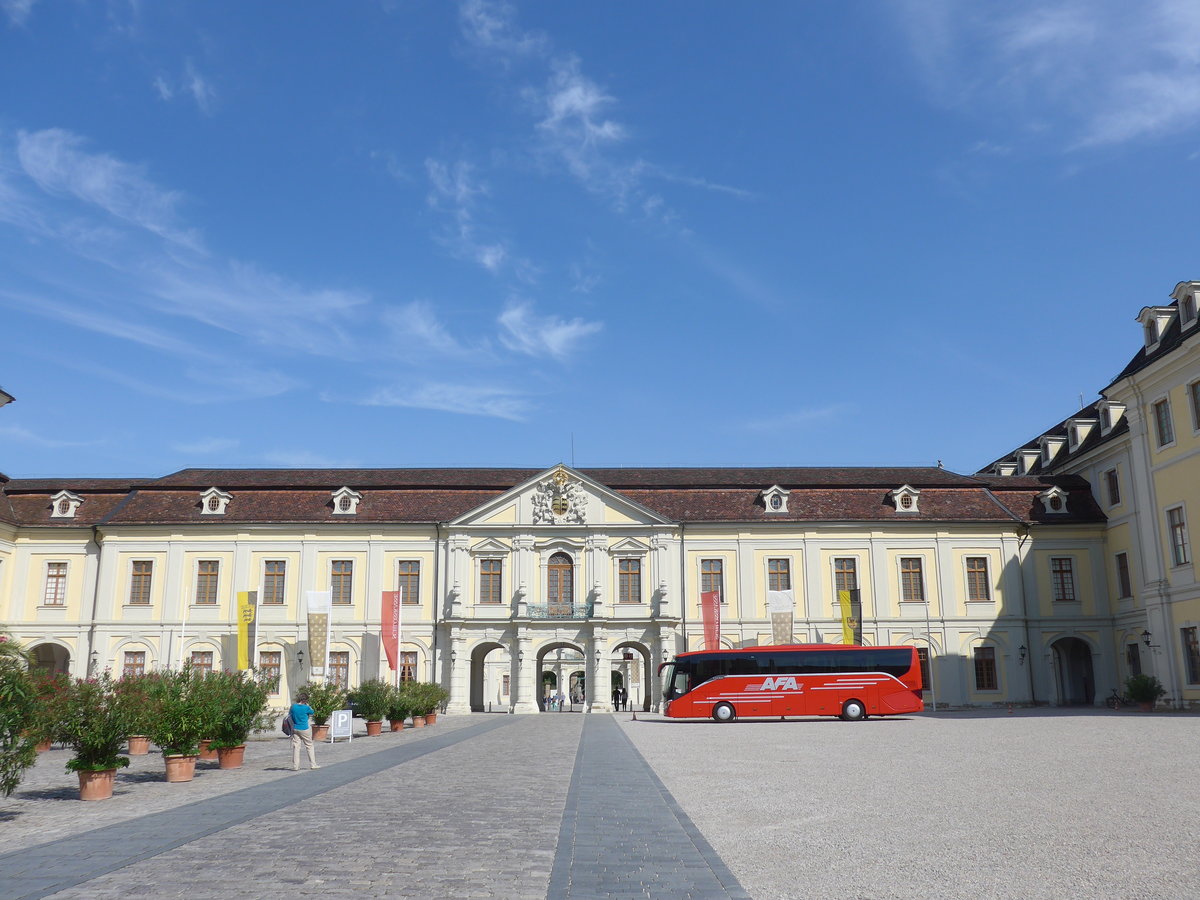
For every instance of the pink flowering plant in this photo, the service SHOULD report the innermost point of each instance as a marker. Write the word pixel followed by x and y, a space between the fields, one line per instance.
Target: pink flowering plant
pixel 94 724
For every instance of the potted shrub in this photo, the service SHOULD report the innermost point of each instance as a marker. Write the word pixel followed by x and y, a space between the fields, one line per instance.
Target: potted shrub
pixel 135 693
pixel 179 721
pixel 52 693
pixel 399 707
pixel 1144 690
pixel 427 697
pixel 94 725
pixel 372 698
pixel 324 698
pixel 240 706
pixel 18 715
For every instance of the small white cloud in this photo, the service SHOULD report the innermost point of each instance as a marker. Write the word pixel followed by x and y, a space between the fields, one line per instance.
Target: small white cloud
pixel 524 332
pixel 465 399
pixel 417 323
pixel 199 87
pixel 165 91
pixel 490 26
pixel 17 10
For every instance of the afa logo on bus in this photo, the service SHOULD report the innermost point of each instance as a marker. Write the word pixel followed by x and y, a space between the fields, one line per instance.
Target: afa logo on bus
pixel 780 683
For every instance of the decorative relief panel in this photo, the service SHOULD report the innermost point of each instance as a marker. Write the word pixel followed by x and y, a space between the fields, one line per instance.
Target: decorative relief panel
pixel 559 500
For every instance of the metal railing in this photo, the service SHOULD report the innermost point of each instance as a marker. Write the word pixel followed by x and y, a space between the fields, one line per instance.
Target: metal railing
pixel 560 610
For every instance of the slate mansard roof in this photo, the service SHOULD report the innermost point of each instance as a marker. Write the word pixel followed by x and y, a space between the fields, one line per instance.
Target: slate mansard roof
pixel 426 496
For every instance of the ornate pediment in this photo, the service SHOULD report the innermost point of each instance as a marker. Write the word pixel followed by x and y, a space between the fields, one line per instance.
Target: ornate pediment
pixel 559 500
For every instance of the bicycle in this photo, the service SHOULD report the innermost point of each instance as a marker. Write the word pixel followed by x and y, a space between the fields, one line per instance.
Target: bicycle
pixel 1116 701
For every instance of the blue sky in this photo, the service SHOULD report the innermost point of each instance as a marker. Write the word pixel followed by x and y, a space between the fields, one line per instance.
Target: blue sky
pixel 417 233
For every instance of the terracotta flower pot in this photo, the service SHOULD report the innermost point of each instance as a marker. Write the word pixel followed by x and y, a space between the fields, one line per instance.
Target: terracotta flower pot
pixel 396 724
pixel 43 746
pixel 180 768
pixel 139 745
pixel 418 721
pixel 232 757
pixel 374 728
pixel 96 785
pixel 206 752
pixel 431 719
pixel 320 732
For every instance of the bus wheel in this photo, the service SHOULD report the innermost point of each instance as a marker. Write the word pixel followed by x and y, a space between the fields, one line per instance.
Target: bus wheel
pixel 723 712
pixel 854 711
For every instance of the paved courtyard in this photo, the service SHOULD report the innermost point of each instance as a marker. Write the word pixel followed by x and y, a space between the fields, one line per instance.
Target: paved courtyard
pixel 1033 804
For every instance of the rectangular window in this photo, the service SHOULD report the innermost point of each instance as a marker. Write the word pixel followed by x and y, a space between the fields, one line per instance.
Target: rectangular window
pixel 207 574
pixel 202 660
pixel 1179 540
pixel 712 577
pixel 926 677
pixel 139 582
pixel 1124 582
pixel 1062 576
pixel 339 668
pixel 1133 658
pixel 1194 398
pixel 985 669
pixel 408 580
pixel 504 685
pixel 274 580
pixel 56 584
pixel 845 573
pixel 1164 428
pixel 779 574
pixel 1114 487
pixel 490 572
pixel 978 583
pixel 341 582
pixel 1191 654
pixel 912 578
pixel 630 578
pixel 270 667
pixel 408 665
pixel 135 663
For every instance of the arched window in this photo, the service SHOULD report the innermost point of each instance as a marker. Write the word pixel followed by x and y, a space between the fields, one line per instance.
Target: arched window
pixel 560 585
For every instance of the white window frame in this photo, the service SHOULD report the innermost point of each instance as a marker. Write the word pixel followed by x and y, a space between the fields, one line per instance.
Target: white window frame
pixel 133 561
pixel 66 582
pixel 833 572
pixel 791 570
pixel 196 583
pixel 641 578
pixel 262 587
pixel 724 589
pixel 1074 598
pixel 1115 472
pixel 1183 548
pixel 353 575
pixel 420 576
pixel 989 588
pixel 1165 403
pixel 1122 595
pixel 924 598
pixel 477 564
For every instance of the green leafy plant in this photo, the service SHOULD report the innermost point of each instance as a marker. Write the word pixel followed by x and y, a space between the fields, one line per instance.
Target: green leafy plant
pixel 238 705
pixel 325 698
pixel 1144 688
pixel 94 725
pixel 179 718
pixel 18 712
pixel 137 693
pixel 427 697
pixel 52 692
pixel 372 698
pixel 400 703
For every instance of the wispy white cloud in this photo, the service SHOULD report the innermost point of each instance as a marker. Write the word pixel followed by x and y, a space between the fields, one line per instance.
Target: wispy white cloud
pixel 25 436
pixel 57 163
pixel 465 399
pixel 17 10
pixel 206 446
pixel 491 26
pixel 417 324
pixel 533 335
pixel 455 189
pixel 1078 73
pixel 192 83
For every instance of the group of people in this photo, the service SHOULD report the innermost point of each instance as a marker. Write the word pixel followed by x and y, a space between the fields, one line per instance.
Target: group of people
pixel 620 699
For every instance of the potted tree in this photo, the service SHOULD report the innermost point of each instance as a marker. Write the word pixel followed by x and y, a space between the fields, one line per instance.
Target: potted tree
pixel 1144 690
pixel 240 706
pixel 372 699
pixel 399 706
pixel 94 725
pixel 324 698
pixel 179 720
pixel 52 692
pixel 135 693
pixel 18 715
pixel 427 697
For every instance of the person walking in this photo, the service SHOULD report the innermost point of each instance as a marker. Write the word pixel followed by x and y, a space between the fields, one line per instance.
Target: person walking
pixel 301 714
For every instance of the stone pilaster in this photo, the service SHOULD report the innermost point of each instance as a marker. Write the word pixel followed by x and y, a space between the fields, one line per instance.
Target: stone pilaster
pixel 524 665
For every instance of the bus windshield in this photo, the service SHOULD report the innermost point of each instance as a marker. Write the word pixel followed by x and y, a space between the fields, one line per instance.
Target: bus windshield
pixel 674 679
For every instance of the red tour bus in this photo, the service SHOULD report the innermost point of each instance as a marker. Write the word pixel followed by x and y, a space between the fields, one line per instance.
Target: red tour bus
pixel 793 680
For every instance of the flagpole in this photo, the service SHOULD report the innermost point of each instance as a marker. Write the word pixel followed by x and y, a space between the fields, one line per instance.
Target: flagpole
pixel 929 644
pixel 183 632
pixel 399 630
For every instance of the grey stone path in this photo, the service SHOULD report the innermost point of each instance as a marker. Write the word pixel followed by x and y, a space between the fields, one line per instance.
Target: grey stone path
pixel 623 834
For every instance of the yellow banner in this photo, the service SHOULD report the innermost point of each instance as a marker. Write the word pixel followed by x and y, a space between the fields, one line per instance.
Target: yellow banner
pixel 247 607
pixel 851 626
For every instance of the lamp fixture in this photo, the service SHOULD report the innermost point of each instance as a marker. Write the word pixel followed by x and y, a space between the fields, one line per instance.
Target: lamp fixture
pixel 1021 659
pixel 1146 638
pixel 598 655
pixel 300 657
pixel 666 654
pixel 520 656
pixel 453 656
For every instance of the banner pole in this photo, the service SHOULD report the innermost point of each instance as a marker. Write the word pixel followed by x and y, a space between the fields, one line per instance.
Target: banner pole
pixel 399 632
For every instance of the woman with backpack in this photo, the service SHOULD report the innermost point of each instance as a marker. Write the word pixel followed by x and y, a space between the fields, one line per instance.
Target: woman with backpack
pixel 301 714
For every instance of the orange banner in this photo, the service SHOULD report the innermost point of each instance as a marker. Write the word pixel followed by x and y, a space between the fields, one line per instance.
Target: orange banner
pixel 710 612
pixel 391 626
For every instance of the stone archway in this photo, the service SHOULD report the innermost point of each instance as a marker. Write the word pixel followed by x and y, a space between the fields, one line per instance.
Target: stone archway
pixel 491 678
pixel 51 658
pixel 633 669
pixel 1073 675
pixel 560 662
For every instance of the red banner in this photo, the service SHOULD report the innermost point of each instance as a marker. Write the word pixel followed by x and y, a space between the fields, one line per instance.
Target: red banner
pixel 710 612
pixel 391 627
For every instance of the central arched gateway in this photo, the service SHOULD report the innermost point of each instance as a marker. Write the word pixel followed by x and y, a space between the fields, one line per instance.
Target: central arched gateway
pixel 491 678
pixel 561 668
pixel 1073 672
pixel 631 669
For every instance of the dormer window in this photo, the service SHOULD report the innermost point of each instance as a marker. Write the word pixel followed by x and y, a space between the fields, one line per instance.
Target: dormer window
pixel 1154 321
pixel 1054 500
pixel 345 501
pixel 213 502
pixel 1027 459
pixel 775 499
pixel 1187 294
pixel 1006 469
pixel 906 499
pixel 64 505
pixel 1110 415
pixel 1050 446
pixel 1078 430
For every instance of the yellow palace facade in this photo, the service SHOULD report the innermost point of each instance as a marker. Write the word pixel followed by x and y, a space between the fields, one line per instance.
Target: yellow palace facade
pixel 1043 578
